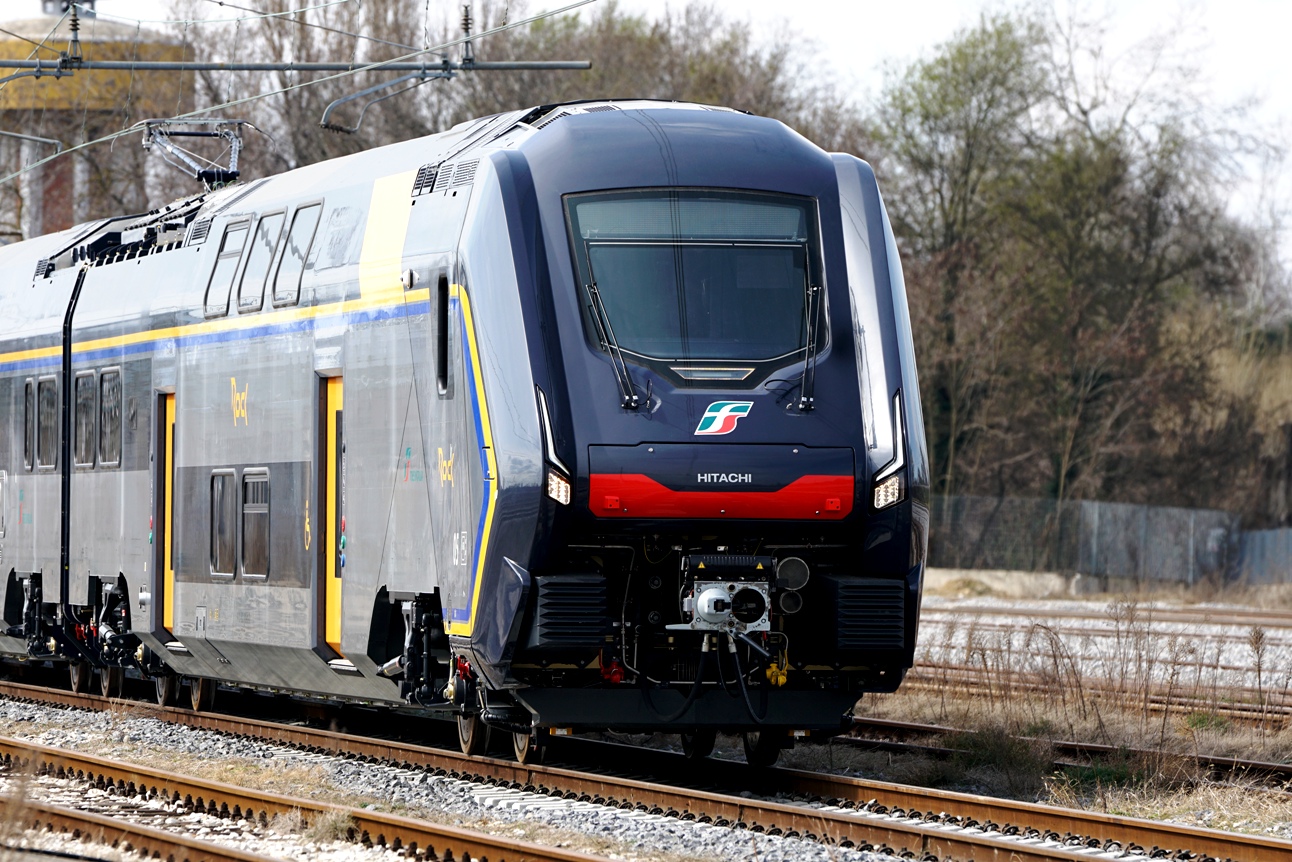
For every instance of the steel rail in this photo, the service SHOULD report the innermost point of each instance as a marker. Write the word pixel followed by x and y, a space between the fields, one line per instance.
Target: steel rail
pixel 927 677
pixel 1274 617
pixel 1090 750
pixel 221 799
pixel 116 833
pixel 857 812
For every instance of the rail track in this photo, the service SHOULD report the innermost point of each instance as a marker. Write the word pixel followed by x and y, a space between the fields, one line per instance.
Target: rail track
pixel 840 810
pixel 117 833
pixel 1238 704
pixel 1272 618
pixel 220 799
pixel 902 736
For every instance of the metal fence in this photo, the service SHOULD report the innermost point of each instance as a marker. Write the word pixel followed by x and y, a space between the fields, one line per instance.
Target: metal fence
pixel 1120 540
pixel 1265 556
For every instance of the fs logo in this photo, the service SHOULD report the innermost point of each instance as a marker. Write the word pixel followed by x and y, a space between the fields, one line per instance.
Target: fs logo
pixel 721 417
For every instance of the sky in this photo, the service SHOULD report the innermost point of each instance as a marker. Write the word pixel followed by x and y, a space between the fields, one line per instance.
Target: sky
pixel 1237 47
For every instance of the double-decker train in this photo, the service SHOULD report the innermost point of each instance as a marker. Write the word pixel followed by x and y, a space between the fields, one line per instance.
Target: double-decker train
pixel 599 415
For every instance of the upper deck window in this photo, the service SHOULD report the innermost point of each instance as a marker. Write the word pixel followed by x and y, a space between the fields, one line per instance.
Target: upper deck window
pixel 708 285
pixel 251 290
pixel 291 265
pixel 226 266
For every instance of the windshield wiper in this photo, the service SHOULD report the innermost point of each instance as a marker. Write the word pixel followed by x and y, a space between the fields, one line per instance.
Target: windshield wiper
pixel 808 384
pixel 606 332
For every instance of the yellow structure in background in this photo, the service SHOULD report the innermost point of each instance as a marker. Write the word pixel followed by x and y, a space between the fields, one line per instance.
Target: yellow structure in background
pixel 149 94
pixel 79 106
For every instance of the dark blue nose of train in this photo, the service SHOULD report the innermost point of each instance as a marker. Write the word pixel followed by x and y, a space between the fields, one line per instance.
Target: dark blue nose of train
pixel 710 345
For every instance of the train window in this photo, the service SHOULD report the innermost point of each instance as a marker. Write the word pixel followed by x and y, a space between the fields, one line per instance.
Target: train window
pixel 83 453
pixel 442 334
pixel 255 524
pixel 707 284
pixel 291 266
pixel 47 422
pixel 251 289
pixel 29 430
pixel 226 266
pixel 110 418
pixel 224 509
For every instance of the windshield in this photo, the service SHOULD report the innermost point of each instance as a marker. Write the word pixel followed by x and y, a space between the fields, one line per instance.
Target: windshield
pixel 686 276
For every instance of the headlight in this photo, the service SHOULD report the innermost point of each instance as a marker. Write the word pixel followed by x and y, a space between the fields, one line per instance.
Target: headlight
pixel 887 492
pixel 558 487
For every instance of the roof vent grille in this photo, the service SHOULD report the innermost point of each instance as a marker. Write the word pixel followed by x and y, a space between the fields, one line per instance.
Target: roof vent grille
pixel 551 118
pixel 444 178
pixel 466 173
pixel 425 181
pixel 199 233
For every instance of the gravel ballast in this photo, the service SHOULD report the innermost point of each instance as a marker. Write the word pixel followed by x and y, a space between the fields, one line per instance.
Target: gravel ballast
pixel 582 826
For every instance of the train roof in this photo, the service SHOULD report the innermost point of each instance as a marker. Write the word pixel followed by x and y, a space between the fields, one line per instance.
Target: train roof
pixel 436 158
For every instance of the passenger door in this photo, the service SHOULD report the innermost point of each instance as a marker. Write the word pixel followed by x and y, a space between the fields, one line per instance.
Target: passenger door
pixel 331 513
pixel 163 579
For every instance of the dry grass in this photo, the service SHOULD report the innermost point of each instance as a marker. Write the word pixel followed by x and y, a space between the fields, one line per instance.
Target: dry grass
pixel 1247 808
pixel 1011 722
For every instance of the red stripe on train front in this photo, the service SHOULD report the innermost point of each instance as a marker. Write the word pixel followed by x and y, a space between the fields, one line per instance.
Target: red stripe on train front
pixel 632 495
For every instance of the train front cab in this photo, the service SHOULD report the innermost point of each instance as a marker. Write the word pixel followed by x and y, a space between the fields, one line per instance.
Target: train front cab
pixel 734 520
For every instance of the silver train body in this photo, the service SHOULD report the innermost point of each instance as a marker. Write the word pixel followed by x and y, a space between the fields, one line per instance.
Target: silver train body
pixel 594 415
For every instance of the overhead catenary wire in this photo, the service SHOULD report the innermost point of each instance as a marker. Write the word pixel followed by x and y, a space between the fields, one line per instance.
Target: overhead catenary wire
pixel 393 64
pixel 176 21
pixel 23 38
pixel 337 30
pixel 41 43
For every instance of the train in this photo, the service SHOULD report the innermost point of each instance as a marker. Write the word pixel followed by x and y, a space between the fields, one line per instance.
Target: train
pixel 600 415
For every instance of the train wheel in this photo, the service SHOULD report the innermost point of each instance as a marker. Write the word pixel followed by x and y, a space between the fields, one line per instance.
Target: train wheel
pixel 473 734
pixel 763 747
pixel 201 694
pixel 699 743
pixel 78 674
pixel 111 680
pixel 166 687
pixel 527 748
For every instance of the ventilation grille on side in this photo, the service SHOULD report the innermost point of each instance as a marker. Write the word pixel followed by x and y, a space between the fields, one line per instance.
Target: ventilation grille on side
pixel 466 173
pixel 199 232
pixel 44 267
pixel 425 179
pixel 444 178
pixel 551 118
pixel 596 109
pixel 571 612
pixel 869 613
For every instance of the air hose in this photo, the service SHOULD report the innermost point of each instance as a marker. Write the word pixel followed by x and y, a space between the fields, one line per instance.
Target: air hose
pixel 744 689
pixel 705 655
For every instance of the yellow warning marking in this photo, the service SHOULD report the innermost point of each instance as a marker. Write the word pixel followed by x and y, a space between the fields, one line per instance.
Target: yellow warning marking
pixel 380 262
pixel 759 566
pixel 464 628
pixel 701 566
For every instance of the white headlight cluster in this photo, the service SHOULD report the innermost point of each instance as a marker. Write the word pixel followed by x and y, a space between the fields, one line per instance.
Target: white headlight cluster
pixel 888 491
pixel 558 487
